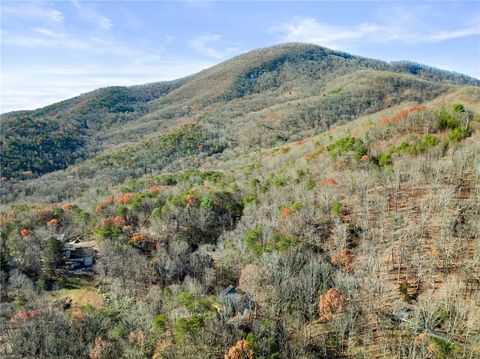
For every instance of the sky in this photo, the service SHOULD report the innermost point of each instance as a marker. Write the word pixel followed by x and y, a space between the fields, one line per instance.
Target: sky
pixel 54 50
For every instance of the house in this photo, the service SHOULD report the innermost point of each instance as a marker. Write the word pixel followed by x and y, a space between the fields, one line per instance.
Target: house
pixel 234 306
pixel 80 258
pixel 230 290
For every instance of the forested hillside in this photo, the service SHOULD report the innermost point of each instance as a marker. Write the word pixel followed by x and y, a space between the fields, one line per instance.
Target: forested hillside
pixel 270 84
pixel 292 202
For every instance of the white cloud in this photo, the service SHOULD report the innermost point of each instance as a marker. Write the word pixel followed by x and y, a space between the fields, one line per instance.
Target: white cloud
pixel 202 44
pixel 33 11
pixel 48 38
pixel 309 30
pixel 89 13
pixel 304 29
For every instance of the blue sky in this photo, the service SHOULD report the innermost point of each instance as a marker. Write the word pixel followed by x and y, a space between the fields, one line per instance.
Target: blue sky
pixel 58 49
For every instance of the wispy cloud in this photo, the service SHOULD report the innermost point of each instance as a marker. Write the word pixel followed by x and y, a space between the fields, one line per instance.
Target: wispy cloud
pixel 306 29
pixel 47 38
pixel 309 30
pixel 88 12
pixel 33 11
pixel 203 45
pixel 46 84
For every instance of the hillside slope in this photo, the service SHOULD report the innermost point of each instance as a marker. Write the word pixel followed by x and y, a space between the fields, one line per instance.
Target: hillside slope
pixel 304 204
pixel 251 82
pixel 260 99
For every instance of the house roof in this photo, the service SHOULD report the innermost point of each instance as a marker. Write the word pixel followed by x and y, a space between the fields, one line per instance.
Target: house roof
pixel 229 290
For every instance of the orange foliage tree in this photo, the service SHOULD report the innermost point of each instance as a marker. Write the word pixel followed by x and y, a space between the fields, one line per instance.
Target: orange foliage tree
pixel 25 232
pixel 139 237
pixel 67 206
pixel 24 315
pixel 344 258
pixel 126 198
pixel 240 350
pixel 328 182
pixel 117 221
pixel 402 115
pixel 104 204
pixel 100 348
pixel 331 303
pixel 52 222
pixel 285 212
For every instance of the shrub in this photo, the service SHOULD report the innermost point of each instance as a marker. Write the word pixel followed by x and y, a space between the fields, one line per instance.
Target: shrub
pixel 156 213
pixel 426 142
pixel 280 181
pixel 457 134
pixel 343 258
pixel 201 306
pixel 109 230
pixel 136 199
pixel 188 326
pixel 444 349
pixel 117 332
pixel 457 107
pixel 310 184
pixel 336 209
pixel 404 291
pixel 264 339
pixel 347 144
pixel 101 349
pixel 250 198
pixel 257 242
pixel 385 159
pixel 447 121
pixel 285 212
pixel 281 242
pixel 206 204
pixel 253 240
pixel 160 322
pixel 122 211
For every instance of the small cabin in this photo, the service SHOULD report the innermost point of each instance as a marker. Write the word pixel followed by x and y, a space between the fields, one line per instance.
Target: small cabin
pixel 80 258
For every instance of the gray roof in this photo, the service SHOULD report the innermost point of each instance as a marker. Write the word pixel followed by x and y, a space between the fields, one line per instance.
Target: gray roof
pixel 227 291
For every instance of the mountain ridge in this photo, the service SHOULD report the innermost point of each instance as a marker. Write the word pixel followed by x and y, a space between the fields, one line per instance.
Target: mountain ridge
pixel 256 92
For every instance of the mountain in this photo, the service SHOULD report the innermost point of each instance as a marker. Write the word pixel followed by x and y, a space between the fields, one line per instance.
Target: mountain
pixel 292 202
pixel 260 90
